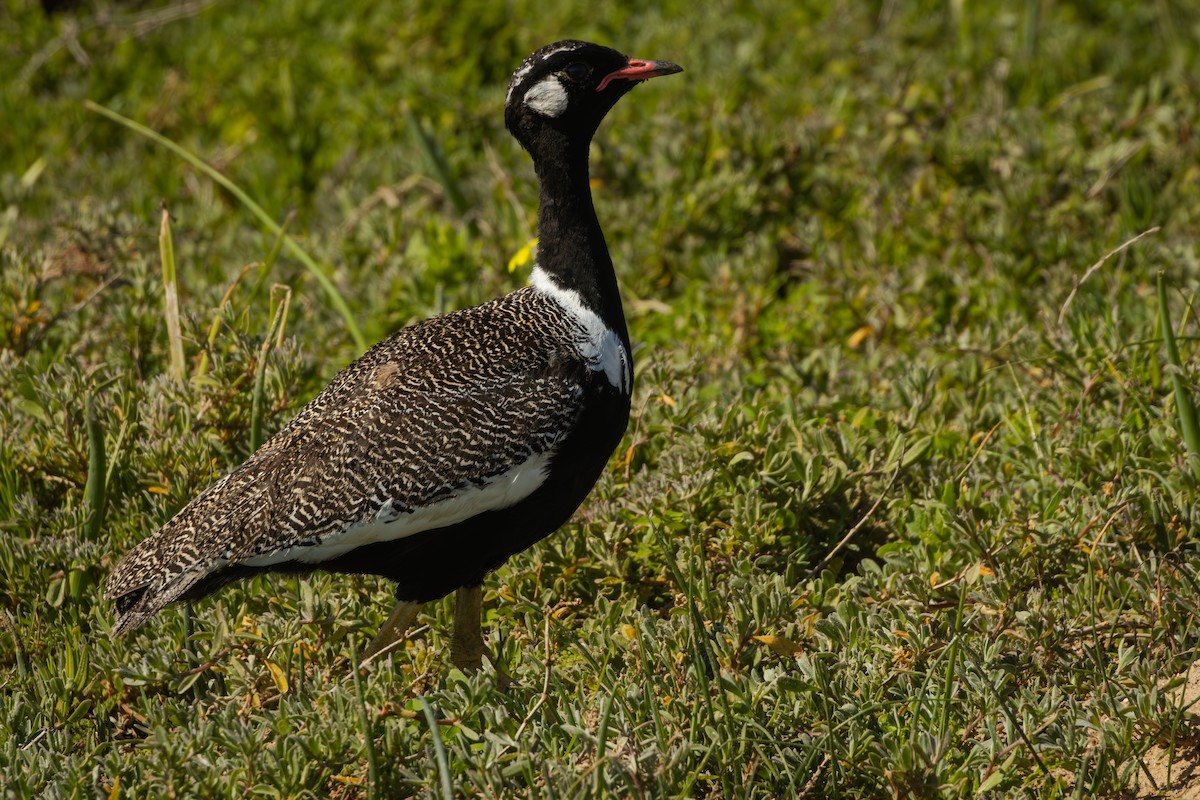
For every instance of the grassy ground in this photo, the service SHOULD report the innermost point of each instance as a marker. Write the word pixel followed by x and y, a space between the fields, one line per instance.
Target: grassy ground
pixel 905 507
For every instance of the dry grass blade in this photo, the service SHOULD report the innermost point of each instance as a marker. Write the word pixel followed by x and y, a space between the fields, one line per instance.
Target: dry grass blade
pixel 1062 312
pixel 166 248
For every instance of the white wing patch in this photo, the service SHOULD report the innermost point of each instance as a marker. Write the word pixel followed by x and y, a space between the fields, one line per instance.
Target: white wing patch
pixel 388 524
pixel 597 343
pixel 547 97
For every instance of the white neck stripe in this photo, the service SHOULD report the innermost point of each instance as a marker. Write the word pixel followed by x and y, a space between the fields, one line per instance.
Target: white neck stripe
pixel 597 343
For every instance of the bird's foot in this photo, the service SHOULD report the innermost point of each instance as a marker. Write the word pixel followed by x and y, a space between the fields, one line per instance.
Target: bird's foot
pixel 468 654
pixel 392 630
pixel 466 642
pixel 467 649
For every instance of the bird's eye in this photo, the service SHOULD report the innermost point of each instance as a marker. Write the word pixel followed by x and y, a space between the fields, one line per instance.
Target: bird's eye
pixel 578 71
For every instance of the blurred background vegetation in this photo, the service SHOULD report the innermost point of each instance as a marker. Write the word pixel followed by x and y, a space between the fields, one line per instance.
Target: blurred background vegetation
pixel 907 504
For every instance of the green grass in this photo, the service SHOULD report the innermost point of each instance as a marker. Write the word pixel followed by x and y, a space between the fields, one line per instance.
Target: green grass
pixel 883 523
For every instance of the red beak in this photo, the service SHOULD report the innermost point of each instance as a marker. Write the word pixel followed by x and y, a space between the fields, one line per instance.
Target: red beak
pixel 639 70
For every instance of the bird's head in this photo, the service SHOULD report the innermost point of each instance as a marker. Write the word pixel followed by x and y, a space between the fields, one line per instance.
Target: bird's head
pixel 566 88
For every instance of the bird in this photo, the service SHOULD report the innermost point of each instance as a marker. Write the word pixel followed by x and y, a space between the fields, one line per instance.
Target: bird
pixel 456 442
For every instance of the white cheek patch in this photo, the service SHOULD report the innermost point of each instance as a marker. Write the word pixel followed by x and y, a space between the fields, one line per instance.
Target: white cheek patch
pixel 547 97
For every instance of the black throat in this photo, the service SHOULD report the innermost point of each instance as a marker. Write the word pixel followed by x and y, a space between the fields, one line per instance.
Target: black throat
pixel 571 247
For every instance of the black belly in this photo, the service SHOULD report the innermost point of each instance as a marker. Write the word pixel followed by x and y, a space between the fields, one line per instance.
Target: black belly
pixel 433 563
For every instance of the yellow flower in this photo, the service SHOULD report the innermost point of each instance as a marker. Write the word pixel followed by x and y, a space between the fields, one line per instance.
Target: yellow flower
pixel 522 256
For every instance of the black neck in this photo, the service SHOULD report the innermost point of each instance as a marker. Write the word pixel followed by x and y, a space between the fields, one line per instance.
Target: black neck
pixel 571 247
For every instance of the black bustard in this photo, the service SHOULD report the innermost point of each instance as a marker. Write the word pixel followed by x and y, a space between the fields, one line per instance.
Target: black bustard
pixel 458 441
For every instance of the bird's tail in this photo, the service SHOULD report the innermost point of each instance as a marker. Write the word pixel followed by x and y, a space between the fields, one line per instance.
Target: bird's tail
pixel 172 564
pixel 148 578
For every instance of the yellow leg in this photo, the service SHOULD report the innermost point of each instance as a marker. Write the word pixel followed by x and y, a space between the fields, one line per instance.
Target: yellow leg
pixel 393 628
pixel 466 643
